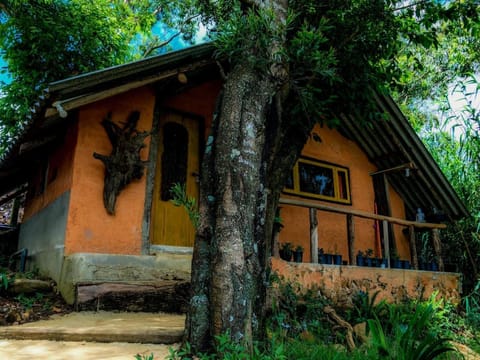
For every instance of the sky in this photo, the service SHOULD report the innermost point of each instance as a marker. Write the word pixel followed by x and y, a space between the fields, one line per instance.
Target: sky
pixel 3 77
pixel 158 29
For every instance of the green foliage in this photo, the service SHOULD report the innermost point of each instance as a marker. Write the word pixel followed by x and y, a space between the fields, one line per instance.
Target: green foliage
pixel 5 280
pixel 180 198
pixel 454 143
pixel 410 338
pixel 144 357
pixel 299 313
pixel 27 301
pixel 226 349
pixel 366 307
pixel 47 40
pixel 471 302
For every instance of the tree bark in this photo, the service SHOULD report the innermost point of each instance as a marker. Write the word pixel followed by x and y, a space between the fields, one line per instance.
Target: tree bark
pixel 247 161
pixel 237 274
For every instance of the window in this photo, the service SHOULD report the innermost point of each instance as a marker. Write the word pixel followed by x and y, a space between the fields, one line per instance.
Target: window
pixel 314 179
pixel 174 158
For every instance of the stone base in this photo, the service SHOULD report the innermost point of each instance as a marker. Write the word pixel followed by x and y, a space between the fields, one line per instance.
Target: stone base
pixel 105 281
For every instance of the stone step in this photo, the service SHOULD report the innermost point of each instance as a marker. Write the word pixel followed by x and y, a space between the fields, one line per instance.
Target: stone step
pixel 61 350
pixel 102 327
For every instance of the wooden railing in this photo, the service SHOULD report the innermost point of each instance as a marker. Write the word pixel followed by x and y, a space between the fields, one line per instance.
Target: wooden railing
pixel 350 214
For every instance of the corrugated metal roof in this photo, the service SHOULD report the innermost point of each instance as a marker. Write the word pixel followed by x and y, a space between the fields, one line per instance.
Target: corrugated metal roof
pixel 392 142
pixel 387 143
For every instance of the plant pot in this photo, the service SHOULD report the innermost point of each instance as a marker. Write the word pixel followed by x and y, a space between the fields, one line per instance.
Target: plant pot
pixel 396 264
pixel 360 260
pixel 298 256
pixel 405 264
pixel 433 266
pixel 369 262
pixel 382 263
pixel 285 255
pixel 321 257
pixel 328 259
pixel 337 259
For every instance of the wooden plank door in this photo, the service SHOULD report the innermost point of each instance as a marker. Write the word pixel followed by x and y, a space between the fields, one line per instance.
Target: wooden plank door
pixel 178 162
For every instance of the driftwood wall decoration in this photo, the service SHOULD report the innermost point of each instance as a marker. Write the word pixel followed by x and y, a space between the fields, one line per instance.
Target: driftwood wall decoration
pixel 123 164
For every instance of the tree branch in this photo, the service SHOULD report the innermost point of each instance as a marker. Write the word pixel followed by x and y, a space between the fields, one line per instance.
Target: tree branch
pixel 170 39
pixel 410 5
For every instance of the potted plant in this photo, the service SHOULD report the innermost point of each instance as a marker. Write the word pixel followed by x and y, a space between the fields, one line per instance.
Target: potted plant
pixel 286 251
pixel 321 256
pixel 360 258
pixel 298 254
pixel 337 258
pixel 368 256
pixel 396 264
pixel 329 258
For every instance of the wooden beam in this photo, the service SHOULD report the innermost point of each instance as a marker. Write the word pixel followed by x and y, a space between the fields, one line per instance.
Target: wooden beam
pixel 351 239
pixel 362 214
pixel 313 236
pixel 438 248
pixel 96 96
pixel 413 246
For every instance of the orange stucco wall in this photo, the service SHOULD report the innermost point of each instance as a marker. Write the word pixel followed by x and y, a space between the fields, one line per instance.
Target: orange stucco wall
pixel 89 227
pixel 332 228
pixel 199 100
pixel 59 177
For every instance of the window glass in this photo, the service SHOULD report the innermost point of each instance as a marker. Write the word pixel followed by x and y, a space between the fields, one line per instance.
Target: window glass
pixel 316 179
pixel 174 158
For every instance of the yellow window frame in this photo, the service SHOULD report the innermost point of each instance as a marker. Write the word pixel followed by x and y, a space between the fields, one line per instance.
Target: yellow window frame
pixel 337 190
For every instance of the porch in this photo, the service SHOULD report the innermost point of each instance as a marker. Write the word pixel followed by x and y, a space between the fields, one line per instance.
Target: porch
pixel 340 281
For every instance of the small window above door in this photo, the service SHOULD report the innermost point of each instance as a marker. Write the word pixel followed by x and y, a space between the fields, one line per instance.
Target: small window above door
pixel 174 158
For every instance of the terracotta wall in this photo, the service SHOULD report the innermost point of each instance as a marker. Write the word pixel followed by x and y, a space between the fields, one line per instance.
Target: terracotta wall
pixel 59 176
pixel 90 228
pixel 199 101
pixel 340 283
pixel 332 228
pixel 401 239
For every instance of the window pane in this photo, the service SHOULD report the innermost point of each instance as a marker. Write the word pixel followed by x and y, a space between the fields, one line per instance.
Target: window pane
pixel 316 179
pixel 174 158
pixel 342 185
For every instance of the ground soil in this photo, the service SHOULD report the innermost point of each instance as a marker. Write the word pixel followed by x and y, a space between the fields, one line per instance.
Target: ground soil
pixel 27 307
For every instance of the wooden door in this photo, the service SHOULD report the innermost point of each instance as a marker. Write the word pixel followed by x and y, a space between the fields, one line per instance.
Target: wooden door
pixel 178 162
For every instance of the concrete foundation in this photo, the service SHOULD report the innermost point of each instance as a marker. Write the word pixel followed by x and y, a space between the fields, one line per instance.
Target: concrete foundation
pixel 142 270
pixel 43 235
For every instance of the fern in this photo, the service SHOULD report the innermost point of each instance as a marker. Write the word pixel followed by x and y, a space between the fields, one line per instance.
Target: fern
pixel 180 198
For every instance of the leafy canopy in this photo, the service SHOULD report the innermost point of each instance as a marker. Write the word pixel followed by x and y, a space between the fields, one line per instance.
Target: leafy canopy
pixel 48 40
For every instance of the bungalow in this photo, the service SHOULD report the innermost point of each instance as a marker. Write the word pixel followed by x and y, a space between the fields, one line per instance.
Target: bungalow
pixel 355 189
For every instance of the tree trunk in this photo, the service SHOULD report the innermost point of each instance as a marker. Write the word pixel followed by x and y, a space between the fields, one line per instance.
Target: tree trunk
pixel 247 161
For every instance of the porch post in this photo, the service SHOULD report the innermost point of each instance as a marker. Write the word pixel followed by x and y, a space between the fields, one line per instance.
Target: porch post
pixel 351 240
pixel 438 248
pixel 386 242
pixel 313 236
pixel 413 246
pixel 15 210
pixel 276 250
